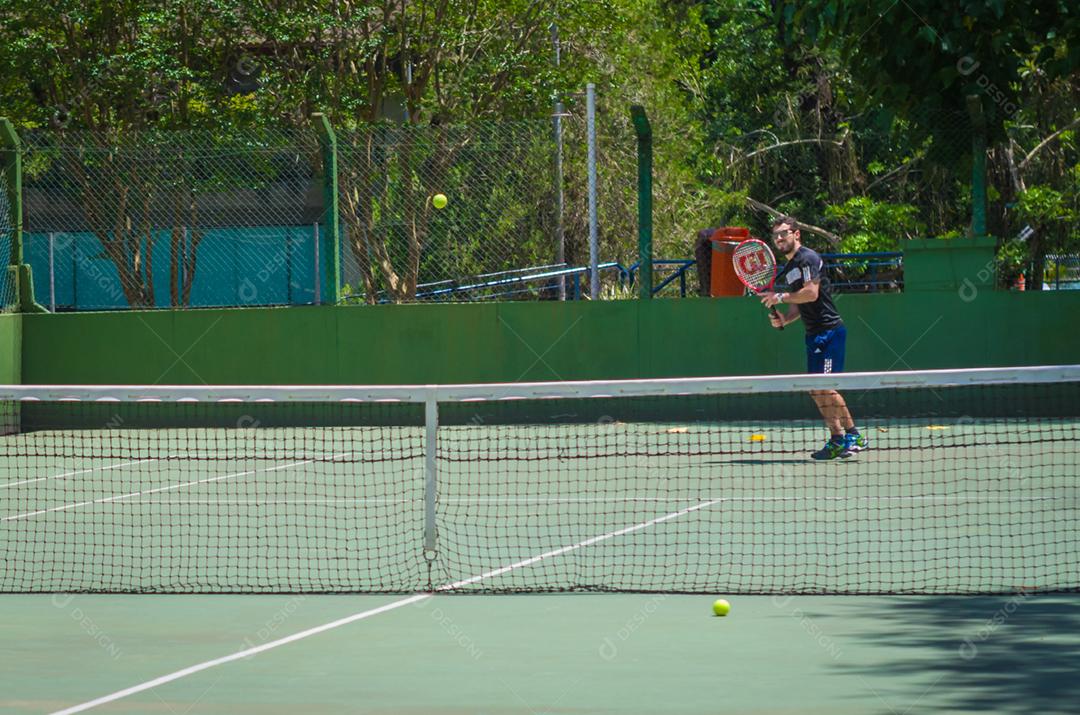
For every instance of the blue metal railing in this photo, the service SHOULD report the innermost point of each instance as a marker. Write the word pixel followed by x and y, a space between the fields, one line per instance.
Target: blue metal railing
pixel 684 264
pixel 515 283
pixel 848 272
pixel 1064 272
pixel 862 272
pixel 865 272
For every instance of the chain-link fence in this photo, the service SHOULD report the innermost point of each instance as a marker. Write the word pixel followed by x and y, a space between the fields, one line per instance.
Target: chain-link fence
pixel 190 219
pixel 1034 180
pixel 177 219
pixel 616 194
pixel 681 206
pixel 868 187
pixel 8 297
pixel 499 183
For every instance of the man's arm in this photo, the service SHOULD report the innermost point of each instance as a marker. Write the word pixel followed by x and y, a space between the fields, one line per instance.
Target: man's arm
pixel 788 316
pixel 807 294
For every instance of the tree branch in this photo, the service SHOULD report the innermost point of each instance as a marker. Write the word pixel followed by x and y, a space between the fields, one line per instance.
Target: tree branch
pixel 1047 140
pixel 1014 174
pixel 790 143
pixel 906 165
pixel 817 230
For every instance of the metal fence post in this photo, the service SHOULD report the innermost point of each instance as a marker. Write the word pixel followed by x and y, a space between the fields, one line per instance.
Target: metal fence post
pixel 52 272
pixel 317 280
pixel 18 272
pixel 644 145
pixel 331 253
pixel 978 166
pixel 594 249
pixel 560 237
pixel 12 163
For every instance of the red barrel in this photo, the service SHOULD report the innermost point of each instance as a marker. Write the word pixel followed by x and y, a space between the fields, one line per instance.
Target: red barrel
pixel 723 281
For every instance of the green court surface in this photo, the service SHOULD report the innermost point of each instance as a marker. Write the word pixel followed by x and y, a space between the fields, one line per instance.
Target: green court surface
pixel 934 507
pixel 546 654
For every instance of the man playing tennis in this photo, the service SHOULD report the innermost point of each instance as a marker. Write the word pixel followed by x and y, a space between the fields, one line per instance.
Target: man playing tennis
pixel 802 285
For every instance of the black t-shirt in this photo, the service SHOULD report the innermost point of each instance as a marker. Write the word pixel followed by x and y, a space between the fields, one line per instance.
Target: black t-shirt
pixel 804 267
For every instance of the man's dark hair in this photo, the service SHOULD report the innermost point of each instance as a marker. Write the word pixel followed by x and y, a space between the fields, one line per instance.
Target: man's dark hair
pixel 789 220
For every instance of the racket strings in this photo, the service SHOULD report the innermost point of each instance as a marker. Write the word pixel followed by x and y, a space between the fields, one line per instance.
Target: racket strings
pixel 755 266
pixel 760 278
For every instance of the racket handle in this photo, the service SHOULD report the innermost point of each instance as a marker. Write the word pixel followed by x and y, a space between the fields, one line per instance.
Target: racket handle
pixel 777 314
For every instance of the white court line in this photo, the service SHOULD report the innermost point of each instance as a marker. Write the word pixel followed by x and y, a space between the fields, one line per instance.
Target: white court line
pixel 171 487
pixel 176 675
pixel 120 465
pixel 580 544
pixel 239 655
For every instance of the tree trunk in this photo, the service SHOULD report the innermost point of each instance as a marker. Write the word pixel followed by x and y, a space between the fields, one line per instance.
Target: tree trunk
pixel 1038 260
pixel 176 239
pixel 191 262
pixel 356 180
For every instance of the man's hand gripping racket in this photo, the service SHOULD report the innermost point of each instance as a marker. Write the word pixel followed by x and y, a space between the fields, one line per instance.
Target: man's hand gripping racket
pixel 755 266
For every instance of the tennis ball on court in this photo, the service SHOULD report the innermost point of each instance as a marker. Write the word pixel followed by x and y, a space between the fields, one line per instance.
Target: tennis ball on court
pixel 439 201
pixel 721 607
pixel 757 438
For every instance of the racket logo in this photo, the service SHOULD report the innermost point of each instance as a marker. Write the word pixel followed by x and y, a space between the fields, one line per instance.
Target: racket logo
pixel 755 266
pixel 751 263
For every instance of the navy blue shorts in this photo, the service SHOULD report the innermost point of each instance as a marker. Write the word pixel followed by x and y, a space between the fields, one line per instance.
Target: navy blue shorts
pixel 825 350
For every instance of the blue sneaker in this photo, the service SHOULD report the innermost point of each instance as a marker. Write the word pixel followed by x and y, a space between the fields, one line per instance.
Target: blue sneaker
pixel 855 442
pixel 833 449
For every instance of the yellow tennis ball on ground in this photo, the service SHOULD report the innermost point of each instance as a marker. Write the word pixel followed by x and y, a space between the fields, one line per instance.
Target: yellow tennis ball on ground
pixel 721 607
pixel 757 438
pixel 439 201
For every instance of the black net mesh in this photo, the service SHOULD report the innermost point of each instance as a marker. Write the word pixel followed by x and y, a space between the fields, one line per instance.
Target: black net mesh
pixel 956 490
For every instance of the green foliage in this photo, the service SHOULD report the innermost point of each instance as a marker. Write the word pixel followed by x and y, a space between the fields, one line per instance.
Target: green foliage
pixel 1043 206
pixel 848 113
pixel 872 226
pixel 1012 256
pixel 922 57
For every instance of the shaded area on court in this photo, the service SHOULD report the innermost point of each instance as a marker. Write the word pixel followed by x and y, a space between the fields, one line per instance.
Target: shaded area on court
pixel 1002 654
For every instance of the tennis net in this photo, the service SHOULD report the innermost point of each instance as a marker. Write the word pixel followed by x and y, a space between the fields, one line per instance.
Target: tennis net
pixel 969 485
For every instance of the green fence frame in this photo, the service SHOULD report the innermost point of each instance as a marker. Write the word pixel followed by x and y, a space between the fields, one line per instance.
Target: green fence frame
pixel 645 228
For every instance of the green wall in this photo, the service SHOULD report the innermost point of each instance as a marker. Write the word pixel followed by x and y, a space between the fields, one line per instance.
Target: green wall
pixel 10 348
pixel 538 341
pixel 948 316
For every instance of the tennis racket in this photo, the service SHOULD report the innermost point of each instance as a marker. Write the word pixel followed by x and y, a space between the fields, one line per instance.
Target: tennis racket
pixel 755 266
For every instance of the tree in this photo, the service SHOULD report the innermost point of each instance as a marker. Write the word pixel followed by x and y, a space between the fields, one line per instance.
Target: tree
pixel 1021 59
pixel 428 65
pixel 94 73
pixel 945 52
pixel 788 135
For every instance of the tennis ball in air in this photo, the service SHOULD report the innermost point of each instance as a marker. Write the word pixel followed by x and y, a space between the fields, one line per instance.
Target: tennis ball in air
pixel 721 607
pixel 439 201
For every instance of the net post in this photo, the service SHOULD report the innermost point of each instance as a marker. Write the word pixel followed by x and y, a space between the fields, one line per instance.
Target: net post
pixel 431 427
